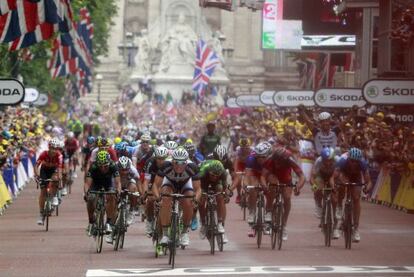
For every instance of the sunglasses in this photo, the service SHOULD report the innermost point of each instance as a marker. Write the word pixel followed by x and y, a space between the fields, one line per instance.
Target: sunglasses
pixel 180 162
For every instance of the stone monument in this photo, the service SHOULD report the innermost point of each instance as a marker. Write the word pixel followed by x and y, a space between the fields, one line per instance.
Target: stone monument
pixel 173 38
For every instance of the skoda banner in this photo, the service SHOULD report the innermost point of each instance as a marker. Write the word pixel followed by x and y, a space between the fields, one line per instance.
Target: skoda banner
pixel 11 92
pixel 42 100
pixel 339 98
pixel 266 97
pixel 249 100
pixel 294 98
pixel 389 92
pixel 231 103
pixel 31 95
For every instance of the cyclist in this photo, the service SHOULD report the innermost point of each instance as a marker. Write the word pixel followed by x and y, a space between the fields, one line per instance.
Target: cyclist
pixel 49 165
pixel 176 177
pixel 254 167
pixel 321 174
pixel 171 146
pixel 71 149
pixel 193 155
pixel 278 169
pixel 77 128
pixel 87 151
pixel 242 153
pixel 142 153
pixel 100 176
pixel 213 178
pixel 351 168
pixel 220 154
pixel 210 140
pixel 103 144
pixel 122 149
pixel 150 169
pixel 129 179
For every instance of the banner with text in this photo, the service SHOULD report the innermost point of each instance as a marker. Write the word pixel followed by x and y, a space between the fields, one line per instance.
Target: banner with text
pixel 294 98
pixel 339 98
pixel 389 92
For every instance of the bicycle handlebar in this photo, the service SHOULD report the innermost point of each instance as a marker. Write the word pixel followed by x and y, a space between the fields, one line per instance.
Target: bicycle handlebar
pixel 213 194
pixel 176 195
pixel 102 192
pixel 351 184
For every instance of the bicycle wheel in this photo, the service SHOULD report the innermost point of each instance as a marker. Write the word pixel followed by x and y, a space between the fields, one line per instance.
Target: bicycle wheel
pixel 259 223
pixel 347 225
pixel 220 244
pixel 279 215
pixel 274 225
pixel 173 240
pixel 46 212
pixel 211 231
pixel 100 230
pixel 117 230
pixel 328 223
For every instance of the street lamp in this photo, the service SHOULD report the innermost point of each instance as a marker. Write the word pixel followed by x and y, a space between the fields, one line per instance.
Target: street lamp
pixel 128 49
pixel 99 79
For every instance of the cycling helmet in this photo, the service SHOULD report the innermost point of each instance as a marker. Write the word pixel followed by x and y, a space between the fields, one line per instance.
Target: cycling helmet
pixel 161 152
pixel 120 147
pixel 54 143
pixel 355 154
pixel 90 140
pixel 180 154
pixel 101 142
pixel 216 168
pixel 328 153
pixel 245 142
pixel 145 138
pixel 103 158
pixel 171 145
pixel 190 147
pixel 71 135
pixel 124 162
pixel 133 143
pixel 324 116
pixel 220 152
pixel 263 149
pixel 117 140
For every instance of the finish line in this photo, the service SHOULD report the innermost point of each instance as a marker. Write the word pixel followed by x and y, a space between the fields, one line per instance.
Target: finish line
pixel 250 270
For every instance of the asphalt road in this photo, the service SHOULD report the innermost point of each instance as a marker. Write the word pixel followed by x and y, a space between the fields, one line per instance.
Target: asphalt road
pixel 386 247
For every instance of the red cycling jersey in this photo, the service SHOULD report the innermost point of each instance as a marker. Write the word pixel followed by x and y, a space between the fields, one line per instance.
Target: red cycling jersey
pixel 71 145
pixel 50 161
pixel 282 167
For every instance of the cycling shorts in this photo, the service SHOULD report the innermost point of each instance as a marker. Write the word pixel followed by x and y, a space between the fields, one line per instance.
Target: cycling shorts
pixel 178 188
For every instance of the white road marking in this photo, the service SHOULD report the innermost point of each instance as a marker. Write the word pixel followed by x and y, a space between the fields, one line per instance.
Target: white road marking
pixel 252 270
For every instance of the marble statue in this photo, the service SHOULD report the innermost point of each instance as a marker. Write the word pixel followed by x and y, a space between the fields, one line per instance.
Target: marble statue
pixel 142 59
pixel 215 44
pixel 178 45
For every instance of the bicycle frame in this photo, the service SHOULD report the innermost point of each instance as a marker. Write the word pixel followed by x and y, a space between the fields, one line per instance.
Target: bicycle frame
pixel 260 206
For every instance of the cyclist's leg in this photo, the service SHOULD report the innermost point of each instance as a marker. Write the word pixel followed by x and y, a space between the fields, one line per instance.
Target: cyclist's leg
pixel 133 199
pixel 271 193
pixel 186 204
pixel 166 203
pixel 54 186
pixel 287 194
pixel 111 207
pixel 221 206
pixel 149 206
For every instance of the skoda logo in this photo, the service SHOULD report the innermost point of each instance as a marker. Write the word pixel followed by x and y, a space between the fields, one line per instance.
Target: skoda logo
pixel 322 97
pixel 372 92
pixel 279 98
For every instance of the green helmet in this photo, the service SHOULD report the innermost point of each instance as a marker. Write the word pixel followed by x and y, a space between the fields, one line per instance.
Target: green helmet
pixel 103 158
pixel 216 168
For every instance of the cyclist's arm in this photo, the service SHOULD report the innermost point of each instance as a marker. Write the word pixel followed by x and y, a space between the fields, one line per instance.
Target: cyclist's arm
pixel 250 177
pixel 88 184
pixel 367 179
pixel 264 175
pixel 118 183
pixel 296 168
pixel 156 186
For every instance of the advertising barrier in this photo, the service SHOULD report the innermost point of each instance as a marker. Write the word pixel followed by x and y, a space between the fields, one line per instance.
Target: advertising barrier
pixel 266 97
pixel 339 98
pixel 389 92
pixel 294 98
pixel 11 92
pixel 249 101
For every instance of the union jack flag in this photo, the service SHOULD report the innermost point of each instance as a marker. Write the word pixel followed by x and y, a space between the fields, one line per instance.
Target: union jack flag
pixel 206 62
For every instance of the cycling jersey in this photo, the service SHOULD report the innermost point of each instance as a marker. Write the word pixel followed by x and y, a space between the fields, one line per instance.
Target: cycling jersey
pixel 282 167
pixel 208 143
pixel 323 140
pixel 71 145
pixel 205 178
pixel 227 163
pixel 141 157
pixel 241 158
pixel 180 182
pixel 322 170
pixel 102 179
pixel 87 151
pixel 150 169
pixel 49 161
pixel 352 170
pixel 129 176
pixel 254 165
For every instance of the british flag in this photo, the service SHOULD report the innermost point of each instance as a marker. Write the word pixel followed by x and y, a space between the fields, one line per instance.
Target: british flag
pixel 206 62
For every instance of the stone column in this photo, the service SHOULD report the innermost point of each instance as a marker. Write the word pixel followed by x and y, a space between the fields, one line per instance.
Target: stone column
pixel 154 12
pixel 116 34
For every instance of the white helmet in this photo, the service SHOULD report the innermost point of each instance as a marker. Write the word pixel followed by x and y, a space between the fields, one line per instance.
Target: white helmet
pixel 62 144
pixel 171 145
pixel 220 151
pixel 54 142
pixel 71 135
pixel 161 152
pixel 146 138
pixel 124 162
pixel 180 154
pixel 263 149
pixel 324 116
